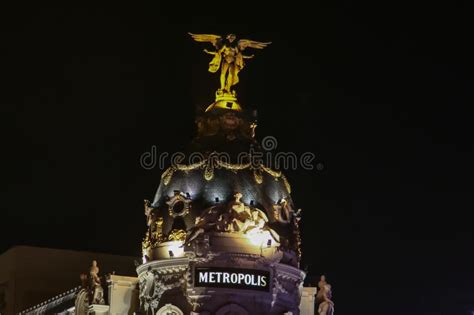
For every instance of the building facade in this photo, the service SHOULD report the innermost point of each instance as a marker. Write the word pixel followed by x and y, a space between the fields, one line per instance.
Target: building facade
pixel 222 232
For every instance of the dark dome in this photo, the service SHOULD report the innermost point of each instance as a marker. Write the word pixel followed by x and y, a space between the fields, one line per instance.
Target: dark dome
pixel 263 193
pixel 224 198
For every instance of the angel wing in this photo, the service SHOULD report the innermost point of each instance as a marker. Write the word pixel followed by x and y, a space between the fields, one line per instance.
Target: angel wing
pixel 244 43
pixel 215 40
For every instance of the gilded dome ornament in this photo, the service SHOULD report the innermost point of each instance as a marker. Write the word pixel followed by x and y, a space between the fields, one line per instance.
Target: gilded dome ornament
pixel 167 175
pixel 177 235
pixel 209 171
pixel 257 173
pixel 229 58
pixel 178 205
pixel 213 162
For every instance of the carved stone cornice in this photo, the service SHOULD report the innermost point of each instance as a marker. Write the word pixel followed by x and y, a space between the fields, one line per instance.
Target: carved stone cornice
pixel 165 266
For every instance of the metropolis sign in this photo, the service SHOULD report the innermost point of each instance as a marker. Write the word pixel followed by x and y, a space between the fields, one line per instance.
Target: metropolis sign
pixel 233 278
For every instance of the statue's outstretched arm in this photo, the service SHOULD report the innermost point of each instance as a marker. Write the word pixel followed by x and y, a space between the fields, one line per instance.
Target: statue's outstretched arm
pixel 248 57
pixel 210 52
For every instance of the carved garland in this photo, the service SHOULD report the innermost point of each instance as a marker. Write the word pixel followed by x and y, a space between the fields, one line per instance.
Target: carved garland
pixel 208 166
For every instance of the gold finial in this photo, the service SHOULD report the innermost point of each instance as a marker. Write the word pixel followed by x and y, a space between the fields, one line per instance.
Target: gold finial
pixel 228 57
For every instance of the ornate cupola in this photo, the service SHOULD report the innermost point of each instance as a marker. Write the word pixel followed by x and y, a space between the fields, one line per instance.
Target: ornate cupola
pixel 223 232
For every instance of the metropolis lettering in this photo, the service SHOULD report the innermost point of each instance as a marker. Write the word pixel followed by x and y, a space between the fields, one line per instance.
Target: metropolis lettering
pixel 232 278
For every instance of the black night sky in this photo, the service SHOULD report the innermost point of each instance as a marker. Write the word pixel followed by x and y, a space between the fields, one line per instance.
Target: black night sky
pixel 381 91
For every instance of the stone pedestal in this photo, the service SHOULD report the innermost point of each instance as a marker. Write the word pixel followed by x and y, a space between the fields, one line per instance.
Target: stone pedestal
pixel 307 303
pixel 123 295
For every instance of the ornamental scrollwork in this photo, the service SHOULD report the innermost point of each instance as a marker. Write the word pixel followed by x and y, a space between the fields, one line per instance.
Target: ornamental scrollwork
pixel 153 286
pixel 179 205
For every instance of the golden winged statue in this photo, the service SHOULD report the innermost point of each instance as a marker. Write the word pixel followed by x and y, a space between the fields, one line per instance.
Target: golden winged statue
pixel 228 57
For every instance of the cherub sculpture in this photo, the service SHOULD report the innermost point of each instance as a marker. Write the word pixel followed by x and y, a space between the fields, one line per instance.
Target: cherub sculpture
pixel 228 57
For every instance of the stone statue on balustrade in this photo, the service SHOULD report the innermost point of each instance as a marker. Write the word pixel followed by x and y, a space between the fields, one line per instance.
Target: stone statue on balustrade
pixel 323 297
